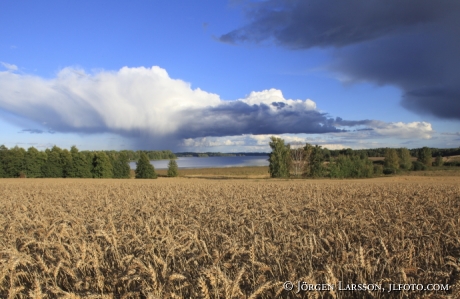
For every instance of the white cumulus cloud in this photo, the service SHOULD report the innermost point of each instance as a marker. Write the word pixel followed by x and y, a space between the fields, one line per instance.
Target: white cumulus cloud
pixel 403 130
pixel 146 102
pixel 275 100
pixel 141 98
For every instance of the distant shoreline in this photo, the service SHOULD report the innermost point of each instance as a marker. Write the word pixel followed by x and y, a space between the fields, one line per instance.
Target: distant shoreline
pixel 213 154
pixel 211 162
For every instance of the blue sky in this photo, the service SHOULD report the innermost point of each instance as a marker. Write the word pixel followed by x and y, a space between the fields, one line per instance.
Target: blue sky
pixel 227 75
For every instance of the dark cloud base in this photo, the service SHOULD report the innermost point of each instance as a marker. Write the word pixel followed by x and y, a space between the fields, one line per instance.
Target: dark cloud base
pixel 441 102
pixel 412 44
pixel 238 118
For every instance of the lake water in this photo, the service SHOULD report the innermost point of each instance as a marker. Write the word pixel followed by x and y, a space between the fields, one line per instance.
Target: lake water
pixel 210 162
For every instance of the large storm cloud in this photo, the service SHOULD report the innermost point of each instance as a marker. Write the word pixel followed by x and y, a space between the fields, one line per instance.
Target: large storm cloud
pixel 145 103
pixel 411 44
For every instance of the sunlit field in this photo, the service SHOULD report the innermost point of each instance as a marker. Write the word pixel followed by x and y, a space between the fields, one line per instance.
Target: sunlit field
pixel 229 238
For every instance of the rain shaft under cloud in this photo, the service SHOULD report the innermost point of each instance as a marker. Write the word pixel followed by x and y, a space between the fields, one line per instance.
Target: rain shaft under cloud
pixel 411 44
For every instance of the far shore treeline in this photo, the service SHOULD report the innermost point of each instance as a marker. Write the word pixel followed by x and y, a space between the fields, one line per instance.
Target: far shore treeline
pixel 219 154
pixel 62 163
pixel 371 153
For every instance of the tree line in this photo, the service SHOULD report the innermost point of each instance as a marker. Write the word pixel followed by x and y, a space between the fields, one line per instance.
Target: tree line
pixel 314 161
pixel 62 163
pixel 380 152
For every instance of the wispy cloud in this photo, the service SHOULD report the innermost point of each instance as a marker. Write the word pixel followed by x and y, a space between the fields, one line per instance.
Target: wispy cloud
pixel 451 133
pixel 8 66
pixel 32 131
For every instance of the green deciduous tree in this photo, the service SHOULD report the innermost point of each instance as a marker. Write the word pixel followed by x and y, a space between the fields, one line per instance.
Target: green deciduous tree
pixel 405 161
pixel 438 161
pixel 417 166
pixel 378 170
pixel 81 168
pixel 121 169
pixel 315 161
pixel 391 159
pixel 33 162
pixel 67 164
pixel 53 166
pixel 81 164
pixel 348 152
pixel 145 170
pixel 425 156
pixel 279 158
pixel 351 166
pixel 173 170
pixel 73 150
pixel 13 162
pixel 326 154
pixel 102 168
pixel 3 152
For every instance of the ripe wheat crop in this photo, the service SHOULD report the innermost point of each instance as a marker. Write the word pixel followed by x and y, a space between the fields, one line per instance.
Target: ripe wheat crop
pixel 192 238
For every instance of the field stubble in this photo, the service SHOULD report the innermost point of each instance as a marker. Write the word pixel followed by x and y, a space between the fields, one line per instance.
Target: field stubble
pixel 193 238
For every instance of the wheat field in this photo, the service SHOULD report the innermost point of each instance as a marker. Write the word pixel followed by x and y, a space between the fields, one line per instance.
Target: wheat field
pixel 198 238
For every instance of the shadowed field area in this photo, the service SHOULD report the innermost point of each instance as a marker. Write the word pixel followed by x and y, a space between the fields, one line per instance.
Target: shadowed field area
pixel 198 238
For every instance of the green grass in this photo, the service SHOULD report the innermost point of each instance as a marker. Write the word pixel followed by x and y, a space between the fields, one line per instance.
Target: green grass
pixel 436 171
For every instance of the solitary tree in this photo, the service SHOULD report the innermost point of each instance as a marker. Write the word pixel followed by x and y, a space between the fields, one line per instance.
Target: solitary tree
pixel 425 156
pixel 279 158
pixel 172 168
pixel 145 170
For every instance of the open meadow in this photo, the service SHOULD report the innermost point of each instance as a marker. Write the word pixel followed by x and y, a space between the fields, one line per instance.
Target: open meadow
pixel 229 238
